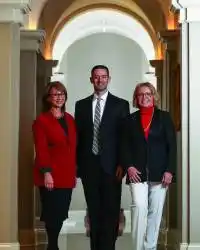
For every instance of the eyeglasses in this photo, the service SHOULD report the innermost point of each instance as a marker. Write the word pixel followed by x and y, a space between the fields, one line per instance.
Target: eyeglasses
pixel 58 95
pixel 147 94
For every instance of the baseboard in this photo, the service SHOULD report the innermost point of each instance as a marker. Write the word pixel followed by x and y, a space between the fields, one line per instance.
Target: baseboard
pixel 40 237
pixel 27 238
pixel 9 246
pixel 183 246
pixel 190 246
pixel 193 246
pixel 173 238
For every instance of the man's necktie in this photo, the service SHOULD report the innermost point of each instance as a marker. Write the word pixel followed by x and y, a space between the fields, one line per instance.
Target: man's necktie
pixel 97 120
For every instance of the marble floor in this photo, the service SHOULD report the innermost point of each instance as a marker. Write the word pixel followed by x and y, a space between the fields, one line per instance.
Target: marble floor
pixel 80 241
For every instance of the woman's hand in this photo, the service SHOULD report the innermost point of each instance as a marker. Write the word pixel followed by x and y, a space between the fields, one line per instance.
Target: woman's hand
pixel 48 181
pixel 133 175
pixel 167 178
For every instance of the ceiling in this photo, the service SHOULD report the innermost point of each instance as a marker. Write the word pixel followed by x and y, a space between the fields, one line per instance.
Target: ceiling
pixel 52 15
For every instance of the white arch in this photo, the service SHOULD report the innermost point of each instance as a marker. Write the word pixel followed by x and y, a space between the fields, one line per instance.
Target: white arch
pixel 98 21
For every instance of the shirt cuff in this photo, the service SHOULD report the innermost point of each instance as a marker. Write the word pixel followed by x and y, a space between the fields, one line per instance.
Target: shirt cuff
pixel 44 170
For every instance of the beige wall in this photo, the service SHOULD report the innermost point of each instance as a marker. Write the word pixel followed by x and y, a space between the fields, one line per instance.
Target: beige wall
pixel 9 110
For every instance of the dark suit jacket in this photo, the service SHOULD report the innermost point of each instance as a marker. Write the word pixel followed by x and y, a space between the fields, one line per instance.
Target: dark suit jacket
pixel 154 156
pixel 114 112
pixel 55 150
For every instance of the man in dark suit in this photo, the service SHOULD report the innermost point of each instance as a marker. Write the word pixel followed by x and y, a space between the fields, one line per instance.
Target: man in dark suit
pixel 99 118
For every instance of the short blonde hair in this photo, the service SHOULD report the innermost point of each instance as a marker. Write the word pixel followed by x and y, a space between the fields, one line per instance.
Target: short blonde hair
pixel 153 92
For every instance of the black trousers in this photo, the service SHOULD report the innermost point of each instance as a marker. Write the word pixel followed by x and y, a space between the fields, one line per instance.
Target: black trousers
pixel 55 207
pixel 103 197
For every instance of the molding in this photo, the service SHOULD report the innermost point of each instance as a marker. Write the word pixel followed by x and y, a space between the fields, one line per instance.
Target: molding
pixel 190 246
pixel 27 237
pixel 183 246
pixel 194 246
pixel 14 10
pixel 171 38
pixel 31 40
pixel 189 10
pixel 188 3
pixel 9 246
pixel 24 5
pixel 158 66
pixel 176 5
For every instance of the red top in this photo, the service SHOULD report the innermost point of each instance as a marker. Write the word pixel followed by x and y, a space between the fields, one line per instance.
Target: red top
pixel 146 118
pixel 55 150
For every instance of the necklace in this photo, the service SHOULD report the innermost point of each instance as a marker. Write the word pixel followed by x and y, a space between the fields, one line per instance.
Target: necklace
pixel 149 124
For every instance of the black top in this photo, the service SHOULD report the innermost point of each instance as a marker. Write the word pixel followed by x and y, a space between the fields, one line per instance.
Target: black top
pixel 154 156
pixel 63 124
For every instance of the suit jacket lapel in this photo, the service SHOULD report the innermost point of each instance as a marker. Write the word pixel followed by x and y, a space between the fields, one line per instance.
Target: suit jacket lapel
pixel 153 122
pixel 57 127
pixel 139 125
pixel 89 111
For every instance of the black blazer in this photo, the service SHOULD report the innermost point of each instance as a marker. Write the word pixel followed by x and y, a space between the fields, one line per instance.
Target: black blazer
pixel 154 156
pixel 115 110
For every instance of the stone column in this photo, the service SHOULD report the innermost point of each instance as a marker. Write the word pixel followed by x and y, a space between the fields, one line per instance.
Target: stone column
pixel 189 171
pixel 30 49
pixel 158 65
pixel 11 16
pixel 171 38
pixel 171 91
pixel 44 74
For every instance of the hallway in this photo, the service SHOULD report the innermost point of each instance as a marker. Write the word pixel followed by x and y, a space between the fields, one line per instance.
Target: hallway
pixel 141 40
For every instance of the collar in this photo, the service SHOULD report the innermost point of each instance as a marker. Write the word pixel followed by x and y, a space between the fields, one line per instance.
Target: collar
pixel 146 110
pixel 103 97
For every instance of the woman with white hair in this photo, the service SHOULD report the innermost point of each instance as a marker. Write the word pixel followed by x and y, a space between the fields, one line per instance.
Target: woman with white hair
pixel 148 156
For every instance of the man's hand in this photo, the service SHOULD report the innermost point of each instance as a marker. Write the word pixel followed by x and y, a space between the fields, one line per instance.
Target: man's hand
pixel 133 175
pixel 119 173
pixel 167 178
pixel 48 181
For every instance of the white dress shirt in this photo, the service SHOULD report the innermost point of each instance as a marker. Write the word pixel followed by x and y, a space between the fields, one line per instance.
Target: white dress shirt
pixel 102 103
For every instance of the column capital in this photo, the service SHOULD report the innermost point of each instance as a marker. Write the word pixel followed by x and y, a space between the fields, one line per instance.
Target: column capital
pixel 32 40
pixel 50 64
pixel 14 10
pixel 170 38
pixel 189 10
pixel 46 67
pixel 158 65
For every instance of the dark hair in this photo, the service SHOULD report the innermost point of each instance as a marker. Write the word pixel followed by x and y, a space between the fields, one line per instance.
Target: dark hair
pixel 100 67
pixel 46 105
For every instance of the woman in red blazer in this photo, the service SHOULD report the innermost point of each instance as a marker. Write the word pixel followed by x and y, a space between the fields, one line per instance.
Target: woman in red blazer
pixel 55 163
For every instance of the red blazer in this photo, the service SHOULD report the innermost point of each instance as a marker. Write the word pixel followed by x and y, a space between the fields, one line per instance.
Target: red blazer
pixel 55 150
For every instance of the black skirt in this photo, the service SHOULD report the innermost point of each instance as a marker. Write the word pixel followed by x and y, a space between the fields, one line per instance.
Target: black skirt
pixel 55 204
